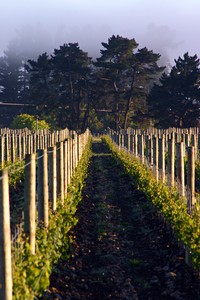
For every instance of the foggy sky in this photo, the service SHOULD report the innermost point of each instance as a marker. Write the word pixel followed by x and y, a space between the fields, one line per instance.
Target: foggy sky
pixel 169 27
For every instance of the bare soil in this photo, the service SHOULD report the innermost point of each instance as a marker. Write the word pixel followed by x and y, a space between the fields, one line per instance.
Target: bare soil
pixel 122 247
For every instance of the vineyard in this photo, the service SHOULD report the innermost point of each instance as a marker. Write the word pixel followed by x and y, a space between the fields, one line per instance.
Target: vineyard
pixel 110 218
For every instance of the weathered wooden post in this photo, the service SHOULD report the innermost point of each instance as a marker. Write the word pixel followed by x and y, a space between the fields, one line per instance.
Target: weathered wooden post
pixel 30 199
pixel 52 178
pixel 42 175
pixel 19 147
pixel 171 162
pixel 66 167
pixel 135 144
pixel 147 148
pixel 141 147
pixel 78 148
pixel 194 143
pixel 123 136
pixel 12 149
pixel 191 179
pixel 73 152
pixel 69 161
pixel 161 160
pixel 81 145
pixel 128 141
pixel 28 144
pixel 7 150
pixel 180 168
pixel 155 156
pixel 60 171
pixel 131 143
pixel 2 150
pixel 23 145
pixel 5 239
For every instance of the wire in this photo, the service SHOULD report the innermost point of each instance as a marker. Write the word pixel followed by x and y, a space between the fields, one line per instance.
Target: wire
pixel 23 167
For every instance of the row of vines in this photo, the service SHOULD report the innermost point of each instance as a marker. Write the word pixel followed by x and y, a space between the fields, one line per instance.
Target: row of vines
pixel 167 198
pixel 24 269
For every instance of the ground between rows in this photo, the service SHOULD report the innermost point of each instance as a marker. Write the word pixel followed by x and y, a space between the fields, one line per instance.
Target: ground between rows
pixel 122 247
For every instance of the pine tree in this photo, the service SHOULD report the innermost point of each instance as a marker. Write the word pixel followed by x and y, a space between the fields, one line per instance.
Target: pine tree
pixel 60 83
pixel 125 76
pixel 175 101
pixel 10 65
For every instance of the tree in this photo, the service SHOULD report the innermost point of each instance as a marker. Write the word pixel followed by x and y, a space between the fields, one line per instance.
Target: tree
pixel 61 84
pixel 176 100
pixel 71 73
pixel 124 77
pixel 10 65
pixel 14 80
pixel 40 79
pixel 28 121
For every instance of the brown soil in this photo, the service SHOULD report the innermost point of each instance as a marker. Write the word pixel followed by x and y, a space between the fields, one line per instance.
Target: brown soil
pixel 122 248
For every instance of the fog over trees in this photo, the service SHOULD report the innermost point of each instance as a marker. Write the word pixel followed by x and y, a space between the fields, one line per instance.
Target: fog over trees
pixel 77 64
pixel 126 85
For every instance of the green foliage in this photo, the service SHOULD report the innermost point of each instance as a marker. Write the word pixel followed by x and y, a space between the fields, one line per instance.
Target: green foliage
pixel 28 121
pixel 168 202
pixel 175 101
pixel 125 76
pixel 197 170
pixel 15 170
pixel 61 85
pixel 31 272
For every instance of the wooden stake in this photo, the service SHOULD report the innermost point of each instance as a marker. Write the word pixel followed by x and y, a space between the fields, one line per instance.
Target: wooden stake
pixel 5 239
pixel 52 178
pixel 42 176
pixel 191 179
pixel 30 198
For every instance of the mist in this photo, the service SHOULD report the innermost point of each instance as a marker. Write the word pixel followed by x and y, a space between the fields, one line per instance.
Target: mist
pixel 166 27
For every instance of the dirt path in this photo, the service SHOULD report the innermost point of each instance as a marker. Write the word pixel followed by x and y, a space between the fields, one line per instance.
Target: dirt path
pixel 123 250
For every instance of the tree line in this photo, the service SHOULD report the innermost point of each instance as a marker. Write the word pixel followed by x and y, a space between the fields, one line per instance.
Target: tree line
pixel 123 87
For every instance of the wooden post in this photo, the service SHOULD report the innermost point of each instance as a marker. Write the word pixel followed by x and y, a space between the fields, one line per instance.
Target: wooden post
pixel 28 145
pixel 29 199
pixel 81 145
pixel 78 148
pixel 155 157
pixel 194 143
pixel 7 150
pixel 171 162
pixel 42 176
pixel 69 162
pixel 135 143
pixel 131 143
pixel 73 153
pixel 2 150
pixel 52 178
pixel 161 161
pixel 5 239
pixel 75 150
pixel 125 135
pixel 180 168
pixel 66 170
pixel 60 171
pixel 23 145
pixel 149 151
pixel 12 152
pixel 19 147
pixel 191 179
pixel 128 142
pixel 141 147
